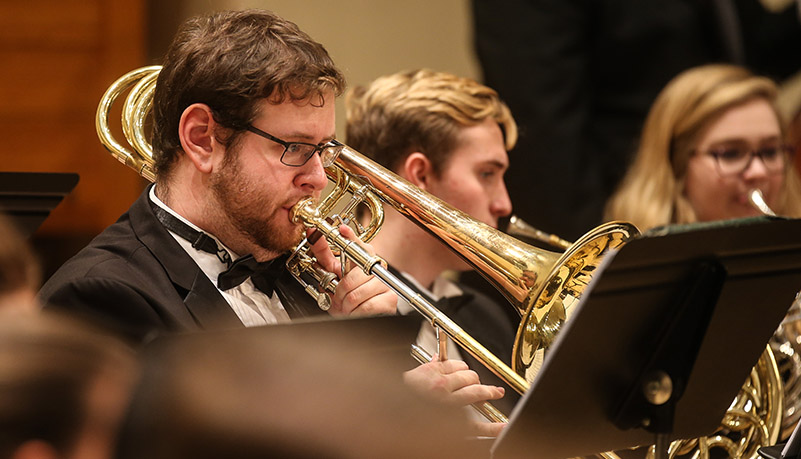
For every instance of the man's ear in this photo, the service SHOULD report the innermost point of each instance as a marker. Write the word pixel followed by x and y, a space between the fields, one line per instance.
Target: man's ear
pixel 417 169
pixel 196 131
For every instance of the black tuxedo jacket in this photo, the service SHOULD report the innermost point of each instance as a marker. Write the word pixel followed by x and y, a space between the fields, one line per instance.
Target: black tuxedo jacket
pixel 136 279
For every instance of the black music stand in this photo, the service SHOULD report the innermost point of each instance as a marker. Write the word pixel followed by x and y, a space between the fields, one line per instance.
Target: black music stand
pixel 698 303
pixel 29 197
pixel 791 449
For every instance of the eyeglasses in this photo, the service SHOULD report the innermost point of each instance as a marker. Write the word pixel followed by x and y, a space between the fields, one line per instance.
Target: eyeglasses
pixel 297 154
pixel 735 160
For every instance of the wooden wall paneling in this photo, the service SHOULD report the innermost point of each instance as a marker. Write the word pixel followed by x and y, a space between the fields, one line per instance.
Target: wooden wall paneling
pixel 58 57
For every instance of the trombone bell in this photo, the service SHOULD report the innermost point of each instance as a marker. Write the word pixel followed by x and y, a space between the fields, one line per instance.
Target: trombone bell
pixel 543 286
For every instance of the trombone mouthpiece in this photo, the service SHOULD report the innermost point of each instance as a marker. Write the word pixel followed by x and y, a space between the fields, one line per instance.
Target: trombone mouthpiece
pixel 304 212
pixel 758 201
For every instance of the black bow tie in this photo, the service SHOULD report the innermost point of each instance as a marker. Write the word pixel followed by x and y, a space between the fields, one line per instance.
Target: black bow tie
pixel 451 304
pixel 263 274
pixel 448 305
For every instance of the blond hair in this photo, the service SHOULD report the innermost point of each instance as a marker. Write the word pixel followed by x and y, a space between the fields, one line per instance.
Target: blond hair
pixel 420 110
pixel 652 192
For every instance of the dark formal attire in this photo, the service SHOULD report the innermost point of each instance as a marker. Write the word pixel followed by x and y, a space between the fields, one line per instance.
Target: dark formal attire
pixel 136 279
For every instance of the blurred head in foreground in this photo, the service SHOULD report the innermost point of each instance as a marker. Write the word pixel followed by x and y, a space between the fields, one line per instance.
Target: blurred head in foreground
pixel 250 395
pixel 64 387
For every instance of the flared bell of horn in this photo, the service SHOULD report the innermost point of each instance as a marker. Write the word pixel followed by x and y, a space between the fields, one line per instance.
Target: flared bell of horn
pixel 541 285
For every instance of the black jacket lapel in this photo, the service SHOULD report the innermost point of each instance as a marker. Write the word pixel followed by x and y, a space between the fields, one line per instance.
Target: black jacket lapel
pixel 201 299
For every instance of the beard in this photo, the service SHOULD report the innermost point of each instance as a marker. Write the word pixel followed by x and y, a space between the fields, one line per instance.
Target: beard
pixel 252 210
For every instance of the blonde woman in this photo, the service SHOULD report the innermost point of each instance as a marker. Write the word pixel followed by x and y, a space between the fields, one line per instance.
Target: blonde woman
pixel 712 135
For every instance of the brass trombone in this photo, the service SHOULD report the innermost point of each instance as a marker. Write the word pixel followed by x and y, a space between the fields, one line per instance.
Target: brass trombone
pixel 542 285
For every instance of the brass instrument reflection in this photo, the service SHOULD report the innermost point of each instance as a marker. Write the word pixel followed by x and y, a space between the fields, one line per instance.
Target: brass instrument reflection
pixel 754 418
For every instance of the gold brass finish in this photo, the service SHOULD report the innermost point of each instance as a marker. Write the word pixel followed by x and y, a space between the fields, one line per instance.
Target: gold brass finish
pixel 137 104
pixel 786 346
pixel 140 96
pixel 519 227
pixel 543 286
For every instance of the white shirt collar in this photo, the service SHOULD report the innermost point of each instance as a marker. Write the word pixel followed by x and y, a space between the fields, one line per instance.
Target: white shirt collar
pixel 251 305
pixel 441 288
pixel 209 263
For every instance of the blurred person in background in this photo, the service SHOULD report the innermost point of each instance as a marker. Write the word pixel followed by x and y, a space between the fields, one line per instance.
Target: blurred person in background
pixel 256 394
pixel 20 271
pixel 713 135
pixel 580 77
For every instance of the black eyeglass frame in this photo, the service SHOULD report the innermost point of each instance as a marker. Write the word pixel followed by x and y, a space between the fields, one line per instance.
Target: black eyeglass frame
pixel 783 149
pixel 333 147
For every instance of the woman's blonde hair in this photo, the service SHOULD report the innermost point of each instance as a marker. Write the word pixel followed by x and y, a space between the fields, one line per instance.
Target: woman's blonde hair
pixel 652 192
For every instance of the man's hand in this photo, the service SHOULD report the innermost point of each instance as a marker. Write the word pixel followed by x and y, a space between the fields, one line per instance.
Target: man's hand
pixel 357 293
pixel 452 383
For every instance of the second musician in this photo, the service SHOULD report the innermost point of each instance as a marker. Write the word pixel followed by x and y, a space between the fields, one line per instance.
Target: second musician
pixel 449 137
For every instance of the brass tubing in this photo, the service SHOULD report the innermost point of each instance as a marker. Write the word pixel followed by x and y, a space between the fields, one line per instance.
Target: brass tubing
pixel 756 199
pixel 518 227
pixel 305 212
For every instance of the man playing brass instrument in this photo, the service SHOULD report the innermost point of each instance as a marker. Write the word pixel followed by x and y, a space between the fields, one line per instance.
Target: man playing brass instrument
pixel 243 116
pixel 448 136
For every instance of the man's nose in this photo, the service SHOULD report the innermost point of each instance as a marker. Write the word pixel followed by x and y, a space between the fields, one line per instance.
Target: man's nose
pixel 501 206
pixel 312 175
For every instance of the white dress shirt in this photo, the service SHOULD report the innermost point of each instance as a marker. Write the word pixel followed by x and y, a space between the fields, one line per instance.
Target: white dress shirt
pixel 251 305
pixel 427 338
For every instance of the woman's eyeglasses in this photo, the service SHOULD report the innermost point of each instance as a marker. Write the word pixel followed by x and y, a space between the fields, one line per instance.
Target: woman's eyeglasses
pixel 735 160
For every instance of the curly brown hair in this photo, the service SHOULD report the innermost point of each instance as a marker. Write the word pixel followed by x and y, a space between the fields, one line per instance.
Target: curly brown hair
pixel 230 61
